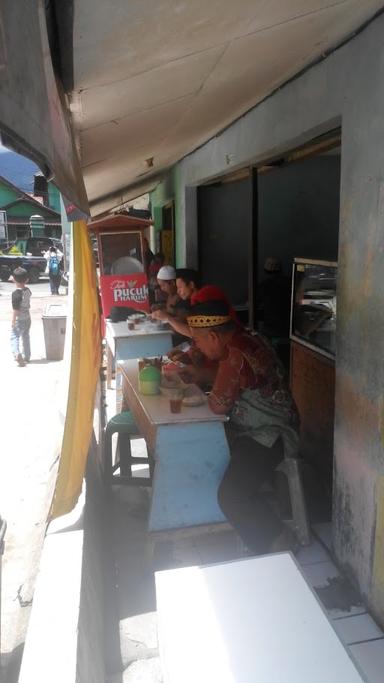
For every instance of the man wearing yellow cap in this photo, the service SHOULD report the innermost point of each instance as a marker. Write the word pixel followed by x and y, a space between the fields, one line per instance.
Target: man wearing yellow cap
pixel 250 388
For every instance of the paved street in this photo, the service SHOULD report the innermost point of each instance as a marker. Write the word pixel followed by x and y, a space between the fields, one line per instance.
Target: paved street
pixel 28 403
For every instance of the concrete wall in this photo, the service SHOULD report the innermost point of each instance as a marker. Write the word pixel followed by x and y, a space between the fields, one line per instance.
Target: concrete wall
pixel 66 632
pixel 34 117
pixel 90 665
pixel 170 189
pixel 346 88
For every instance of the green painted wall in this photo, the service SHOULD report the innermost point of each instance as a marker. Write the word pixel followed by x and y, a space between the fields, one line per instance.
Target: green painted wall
pixel 53 197
pixel 157 214
pixel 26 210
pixel 23 209
pixel 168 190
pixel 159 197
pixel 178 198
pixel 7 195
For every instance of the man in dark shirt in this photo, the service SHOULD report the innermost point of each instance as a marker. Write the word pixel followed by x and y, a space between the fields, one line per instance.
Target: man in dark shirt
pixel 274 300
pixel 250 388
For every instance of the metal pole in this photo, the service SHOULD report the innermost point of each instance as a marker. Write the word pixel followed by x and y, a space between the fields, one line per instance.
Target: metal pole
pixel 3 526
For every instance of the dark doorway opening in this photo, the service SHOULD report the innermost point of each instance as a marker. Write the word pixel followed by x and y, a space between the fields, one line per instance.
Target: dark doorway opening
pixel 225 223
pixel 285 208
pixel 298 204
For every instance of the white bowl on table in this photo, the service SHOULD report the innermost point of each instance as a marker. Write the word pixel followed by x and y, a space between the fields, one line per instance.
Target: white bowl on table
pixel 193 396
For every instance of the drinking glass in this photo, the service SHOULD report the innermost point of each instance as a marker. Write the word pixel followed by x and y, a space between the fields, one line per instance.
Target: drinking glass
pixel 175 399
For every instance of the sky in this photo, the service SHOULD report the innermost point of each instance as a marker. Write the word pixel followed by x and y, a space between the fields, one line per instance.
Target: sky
pixel 17 169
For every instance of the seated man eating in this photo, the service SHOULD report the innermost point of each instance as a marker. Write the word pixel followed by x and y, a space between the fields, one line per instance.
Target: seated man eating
pixel 250 388
pixel 166 280
pixel 191 293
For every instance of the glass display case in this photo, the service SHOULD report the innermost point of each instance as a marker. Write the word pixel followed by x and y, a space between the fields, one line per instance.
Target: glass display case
pixel 313 310
pixel 121 250
pixel 121 253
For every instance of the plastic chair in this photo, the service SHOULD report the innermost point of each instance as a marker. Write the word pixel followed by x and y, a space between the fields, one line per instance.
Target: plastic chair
pixel 124 425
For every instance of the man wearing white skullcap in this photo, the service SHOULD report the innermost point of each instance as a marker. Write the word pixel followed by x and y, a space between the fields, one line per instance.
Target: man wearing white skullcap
pixel 166 279
pixel 166 273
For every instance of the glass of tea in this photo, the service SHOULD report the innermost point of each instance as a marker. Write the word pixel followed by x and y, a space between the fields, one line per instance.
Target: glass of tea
pixel 175 399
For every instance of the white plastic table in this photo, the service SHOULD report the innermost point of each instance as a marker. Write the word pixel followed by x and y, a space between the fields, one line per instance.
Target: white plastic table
pixel 254 620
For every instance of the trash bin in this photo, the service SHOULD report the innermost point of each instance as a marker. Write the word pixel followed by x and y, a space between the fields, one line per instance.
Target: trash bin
pixel 3 527
pixel 54 324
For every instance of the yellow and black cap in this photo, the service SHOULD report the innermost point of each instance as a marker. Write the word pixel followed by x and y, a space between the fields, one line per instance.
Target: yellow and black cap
pixel 209 314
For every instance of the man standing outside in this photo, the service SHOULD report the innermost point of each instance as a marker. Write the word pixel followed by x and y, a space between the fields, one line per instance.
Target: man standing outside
pixel 21 319
pixel 249 387
pixel 54 262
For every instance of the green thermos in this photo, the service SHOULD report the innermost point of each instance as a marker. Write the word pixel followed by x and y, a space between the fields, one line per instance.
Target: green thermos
pixel 149 380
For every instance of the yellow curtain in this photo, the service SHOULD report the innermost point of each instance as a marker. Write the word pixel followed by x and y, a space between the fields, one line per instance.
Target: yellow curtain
pixel 85 351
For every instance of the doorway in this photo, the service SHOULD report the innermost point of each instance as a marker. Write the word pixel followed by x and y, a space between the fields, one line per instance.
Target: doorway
pixel 298 203
pixel 224 227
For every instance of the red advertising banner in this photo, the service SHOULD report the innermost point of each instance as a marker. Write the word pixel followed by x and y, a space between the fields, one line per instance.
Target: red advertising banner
pixel 124 290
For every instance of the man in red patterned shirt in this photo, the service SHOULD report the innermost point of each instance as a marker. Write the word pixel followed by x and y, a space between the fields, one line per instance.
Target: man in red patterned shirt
pixel 250 388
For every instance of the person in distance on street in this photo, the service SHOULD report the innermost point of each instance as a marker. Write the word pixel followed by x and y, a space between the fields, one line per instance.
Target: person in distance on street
pixel 21 319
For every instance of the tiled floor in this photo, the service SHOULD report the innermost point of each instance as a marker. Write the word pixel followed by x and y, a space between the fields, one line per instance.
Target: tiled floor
pixel 370 658
pixel 358 631
pixel 312 554
pixel 137 560
pixel 324 532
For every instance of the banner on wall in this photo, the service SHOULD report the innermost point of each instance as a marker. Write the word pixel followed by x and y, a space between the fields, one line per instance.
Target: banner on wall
pixel 83 353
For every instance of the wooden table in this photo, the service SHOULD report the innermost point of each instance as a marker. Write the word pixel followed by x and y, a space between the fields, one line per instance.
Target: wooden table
pixel 249 621
pixel 145 340
pixel 190 453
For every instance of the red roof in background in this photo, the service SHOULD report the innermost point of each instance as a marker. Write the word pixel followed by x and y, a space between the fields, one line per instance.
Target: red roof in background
pixel 119 222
